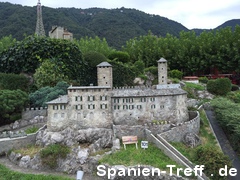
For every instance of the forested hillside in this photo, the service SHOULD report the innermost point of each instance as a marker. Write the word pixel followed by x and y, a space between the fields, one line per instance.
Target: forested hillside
pixel 116 25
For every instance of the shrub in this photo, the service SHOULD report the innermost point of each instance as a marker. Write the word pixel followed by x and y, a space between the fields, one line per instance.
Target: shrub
pixel 219 86
pixel 13 82
pixel 235 87
pixel 175 74
pixel 119 56
pixel 203 79
pixel 31 130
pixel 213 159
pixel 234 96
pixel 45 94
pixel 51 153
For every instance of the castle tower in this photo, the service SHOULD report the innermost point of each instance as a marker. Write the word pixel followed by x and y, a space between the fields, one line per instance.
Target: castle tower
pixel 162 71
pixel 104 74
pixel 39 26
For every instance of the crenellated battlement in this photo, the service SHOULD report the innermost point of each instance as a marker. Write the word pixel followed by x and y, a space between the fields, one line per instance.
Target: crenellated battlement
pixel 133 87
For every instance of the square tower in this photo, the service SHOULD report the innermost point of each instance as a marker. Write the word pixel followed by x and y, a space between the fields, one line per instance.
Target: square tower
pixel 104 74
pixel 162 71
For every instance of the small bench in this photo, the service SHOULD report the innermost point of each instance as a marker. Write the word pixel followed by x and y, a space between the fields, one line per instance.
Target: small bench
pixel 129 140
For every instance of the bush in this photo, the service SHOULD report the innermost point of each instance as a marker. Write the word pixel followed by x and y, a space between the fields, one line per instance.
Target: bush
pixel 51 153
pixel 219 86
pixel 175 74
pixel 45 94
pixel 213 159
pixel 119 56
pixel 203 79
pixel 13 82
pixel 234 96
pixel 235 87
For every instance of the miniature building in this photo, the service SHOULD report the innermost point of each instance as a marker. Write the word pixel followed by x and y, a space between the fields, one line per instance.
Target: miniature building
pixel 60 33
pixel 102 106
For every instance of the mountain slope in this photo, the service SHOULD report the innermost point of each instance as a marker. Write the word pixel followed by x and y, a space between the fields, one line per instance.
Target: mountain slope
pixel 116 25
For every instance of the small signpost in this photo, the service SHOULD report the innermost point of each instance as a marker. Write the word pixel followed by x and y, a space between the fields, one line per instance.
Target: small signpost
pixel 144 144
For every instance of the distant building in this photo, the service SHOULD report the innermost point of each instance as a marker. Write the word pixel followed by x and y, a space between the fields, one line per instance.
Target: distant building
pixel 58 32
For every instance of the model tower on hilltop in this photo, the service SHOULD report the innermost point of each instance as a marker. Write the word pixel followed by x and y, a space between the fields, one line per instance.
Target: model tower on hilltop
pixel 39 26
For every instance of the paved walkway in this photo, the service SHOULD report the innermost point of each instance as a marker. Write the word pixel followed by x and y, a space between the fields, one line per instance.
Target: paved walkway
pixel 224 143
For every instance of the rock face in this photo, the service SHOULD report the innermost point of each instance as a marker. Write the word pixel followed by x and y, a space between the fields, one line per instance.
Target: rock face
pixel 96 138
pixel 191 140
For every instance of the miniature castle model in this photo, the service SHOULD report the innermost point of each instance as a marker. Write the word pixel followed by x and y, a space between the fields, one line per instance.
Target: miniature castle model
pixel 60 33
pixel 103 106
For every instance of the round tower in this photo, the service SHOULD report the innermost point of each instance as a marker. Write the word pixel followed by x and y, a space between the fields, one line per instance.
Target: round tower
pixel 104 74
pixel 162 71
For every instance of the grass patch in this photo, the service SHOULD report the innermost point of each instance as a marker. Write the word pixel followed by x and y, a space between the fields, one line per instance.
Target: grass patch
pixel 131 156
pixel 206 134
pixel 7 174
pixel 30 150
pixel 31 130
pixel 195 86
pixel 51 153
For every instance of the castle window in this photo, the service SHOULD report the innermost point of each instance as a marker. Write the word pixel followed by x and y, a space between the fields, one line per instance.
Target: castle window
pixel 91 98
pixel 125 107
pixel 103 106
pixel 153 106
pixel 152 99
pixel 103 98
pixel 139 106
pixel 55 107
pixel 162 106
pixel 79 106
pixel 144 99
pixel 116 100
pixel 91 106
pixel 116 107
pixel 78 98
pixel 63 107
pixel 62 115
pixel 131 106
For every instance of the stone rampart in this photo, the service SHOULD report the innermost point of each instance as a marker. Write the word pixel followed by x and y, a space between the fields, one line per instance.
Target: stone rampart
pixel 178 131
pixel 139 130
pixel 7 144
pixel 30 113
pixel 170 132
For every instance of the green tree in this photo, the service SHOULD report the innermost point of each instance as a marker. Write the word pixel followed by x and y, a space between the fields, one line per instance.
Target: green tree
pixel 26 56
pixel 119 56
pixel 49 73
pixel 6 42
pixel 13 82
pixel 89 44
pixel 46 94
pixel 93 58
pixel 12 104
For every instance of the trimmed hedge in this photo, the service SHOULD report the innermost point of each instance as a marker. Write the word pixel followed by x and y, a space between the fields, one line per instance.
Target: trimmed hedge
pixel 220 86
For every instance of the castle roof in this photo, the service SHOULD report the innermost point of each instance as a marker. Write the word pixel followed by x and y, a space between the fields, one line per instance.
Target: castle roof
pixel 147 92
pixel 59 100
pixel 162 60
pixel 104 64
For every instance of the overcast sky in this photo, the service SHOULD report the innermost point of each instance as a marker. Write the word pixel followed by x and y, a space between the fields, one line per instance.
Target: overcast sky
pixel 204 14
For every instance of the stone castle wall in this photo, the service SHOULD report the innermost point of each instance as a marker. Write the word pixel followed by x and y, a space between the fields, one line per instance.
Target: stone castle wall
pixel 169 131
pixel 178 132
